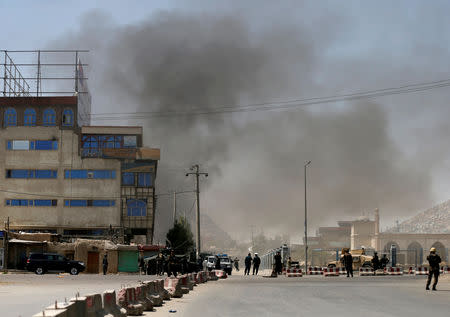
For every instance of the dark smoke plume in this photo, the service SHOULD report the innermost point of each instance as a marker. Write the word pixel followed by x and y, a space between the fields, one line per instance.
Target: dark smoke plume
pixel 184 62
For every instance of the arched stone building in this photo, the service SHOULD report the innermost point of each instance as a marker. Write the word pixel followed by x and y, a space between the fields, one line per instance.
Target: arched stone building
pixel 412 247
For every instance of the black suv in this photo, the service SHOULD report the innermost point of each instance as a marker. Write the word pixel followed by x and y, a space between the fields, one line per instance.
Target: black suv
pixel 44 262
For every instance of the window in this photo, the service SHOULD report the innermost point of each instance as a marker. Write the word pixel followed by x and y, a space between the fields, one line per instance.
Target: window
pixel 144 180
pixel 32 203
pixel 28 173
pixel 90 146
pixel 136 208
pixel 129 141
pixel 49 117
pixel 10 119
pixel 32 145
pixel 89 203
pixel 128 179
pixel 67 119
pixel 90 174
pixel 29 118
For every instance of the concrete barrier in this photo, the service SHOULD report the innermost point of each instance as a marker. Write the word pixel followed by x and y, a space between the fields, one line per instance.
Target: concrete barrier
pixel 192 279
pixel 52 313
pixel 294 273
pixel 342 271
pixel 94 306
pixel 411 270
pixel 421 270
pixel 80 305
pixel 173 286
pixel 330 271
pixel 445 269
pixel 153 293
pixel 161 289
pixel 126 298
pixel 110 306
pixel 141 297
pixel 69 307
pixel 393 271
pixel 212 276
pixel 366 271
pixel 220 274
pixel 183 281
pixel 314 270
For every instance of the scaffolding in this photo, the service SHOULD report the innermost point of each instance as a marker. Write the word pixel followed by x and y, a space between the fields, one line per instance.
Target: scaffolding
pixel 35 67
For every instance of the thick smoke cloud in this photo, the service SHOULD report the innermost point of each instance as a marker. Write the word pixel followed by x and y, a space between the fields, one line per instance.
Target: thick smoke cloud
pixel 190 61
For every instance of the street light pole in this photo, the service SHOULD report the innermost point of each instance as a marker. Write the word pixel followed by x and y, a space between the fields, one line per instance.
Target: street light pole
pixel 306 224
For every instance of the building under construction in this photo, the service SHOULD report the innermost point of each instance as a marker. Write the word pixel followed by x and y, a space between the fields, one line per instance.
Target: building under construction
pixel 59 173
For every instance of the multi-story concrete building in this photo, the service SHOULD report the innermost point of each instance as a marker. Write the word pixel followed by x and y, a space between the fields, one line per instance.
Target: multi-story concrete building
pixel 61 175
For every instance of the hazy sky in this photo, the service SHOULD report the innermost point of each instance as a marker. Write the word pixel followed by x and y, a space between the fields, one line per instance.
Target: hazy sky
pixel 389 153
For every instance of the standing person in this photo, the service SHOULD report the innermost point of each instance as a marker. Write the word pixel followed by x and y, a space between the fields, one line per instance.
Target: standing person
pixel 375 262
pixel 160 264
pixel 171 264
pixel 278 263
pixel 236 264
pixel 105 264
pixel 289 263
pixel 434 260
pixel 256 263
pixel 217 264
pixel 384 261
pixel 348 262
pixel 248 264
pixel 141 264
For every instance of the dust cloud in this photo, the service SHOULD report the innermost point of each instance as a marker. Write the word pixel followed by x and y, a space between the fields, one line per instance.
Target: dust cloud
pixel 171 71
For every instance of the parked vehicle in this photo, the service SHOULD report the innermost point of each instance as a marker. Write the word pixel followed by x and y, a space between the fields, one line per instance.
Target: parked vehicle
pixel 225 264
pixel 41 263
pixel 210 262
pixel 359 260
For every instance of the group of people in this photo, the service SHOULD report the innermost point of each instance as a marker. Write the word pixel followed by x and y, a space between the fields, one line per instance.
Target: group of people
pixel 379 264
pixel 256 261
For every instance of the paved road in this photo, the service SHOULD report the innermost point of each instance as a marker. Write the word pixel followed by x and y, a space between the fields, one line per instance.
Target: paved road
pixel 26 294
pixel 313 296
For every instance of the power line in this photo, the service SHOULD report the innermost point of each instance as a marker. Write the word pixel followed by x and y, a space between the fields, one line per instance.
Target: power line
pixel 278 105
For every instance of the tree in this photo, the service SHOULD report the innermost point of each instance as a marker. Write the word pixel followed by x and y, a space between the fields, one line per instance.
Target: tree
pixel 180 237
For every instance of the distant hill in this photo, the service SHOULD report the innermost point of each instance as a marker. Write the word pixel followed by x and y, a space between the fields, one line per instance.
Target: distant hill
pixel 213 237
pixel 433 220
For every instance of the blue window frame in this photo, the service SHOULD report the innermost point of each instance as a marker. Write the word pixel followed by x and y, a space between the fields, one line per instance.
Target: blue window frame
pixel 136 208
pixel 31 203
pixel 32 145
pixel 128 179
pixel 29 118
pixel 67 120
pixel 89 203
pixel 28 173
pixel 144 180
pixel 10 118
pixel 49 117
pixel 94 174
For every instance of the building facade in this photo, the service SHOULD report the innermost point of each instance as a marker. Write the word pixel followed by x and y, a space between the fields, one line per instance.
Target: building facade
pixel 62 176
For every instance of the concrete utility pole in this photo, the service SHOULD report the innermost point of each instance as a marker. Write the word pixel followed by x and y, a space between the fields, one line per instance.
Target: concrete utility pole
pixel 174 207
pixel 306 224
pixel 197 175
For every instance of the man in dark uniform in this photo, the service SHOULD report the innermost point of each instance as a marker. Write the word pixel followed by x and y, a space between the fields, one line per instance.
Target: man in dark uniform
pixel 434 260
pixel 105 264
pixel 160 264
pixel 384 261
pixel 248 264
pixel 375 262
pixel 348 263
pixel 172 264
pixel 278 263
pixel 217 265
pixel 256 263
